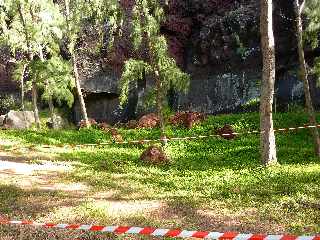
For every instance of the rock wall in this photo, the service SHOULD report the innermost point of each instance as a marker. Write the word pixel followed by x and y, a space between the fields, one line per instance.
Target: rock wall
pixel 7 85
pixel 223 54
pixel 218 43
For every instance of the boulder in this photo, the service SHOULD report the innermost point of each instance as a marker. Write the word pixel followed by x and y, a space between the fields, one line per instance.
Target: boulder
pixel 154 155
pixel 60 123
pixel 148 121
pixel 2 119
pixel 19 119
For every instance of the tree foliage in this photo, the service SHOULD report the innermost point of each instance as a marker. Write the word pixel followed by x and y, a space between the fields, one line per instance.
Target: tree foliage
pixel 312 12
pixel 82 12
pixel 54 76
pixel 147 17
pixel 29 28
pixel 30 25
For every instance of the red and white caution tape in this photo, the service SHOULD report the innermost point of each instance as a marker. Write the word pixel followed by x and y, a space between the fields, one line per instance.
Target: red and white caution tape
pixel 162 232
pixel 167 139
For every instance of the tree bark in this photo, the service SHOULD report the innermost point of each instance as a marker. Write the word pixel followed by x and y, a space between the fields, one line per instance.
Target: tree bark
pixel 22 86
pixel 78 87
pixel 267 136
pixel 34 103
pixel 75 69
pixel 304 75
pixel 160 107
pixel 51 110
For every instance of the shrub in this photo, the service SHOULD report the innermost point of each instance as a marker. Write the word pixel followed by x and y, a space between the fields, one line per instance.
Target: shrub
pixel 7 103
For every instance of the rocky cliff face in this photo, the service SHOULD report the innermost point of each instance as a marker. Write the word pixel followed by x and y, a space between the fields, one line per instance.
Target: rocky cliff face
pixel 218 43
pixel 7 85
pixel 222 53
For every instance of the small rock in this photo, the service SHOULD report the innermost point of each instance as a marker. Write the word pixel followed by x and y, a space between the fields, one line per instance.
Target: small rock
pixel 227 129
pixel 154 155
pixel 19 119
pixel 149 121
pixel 59 121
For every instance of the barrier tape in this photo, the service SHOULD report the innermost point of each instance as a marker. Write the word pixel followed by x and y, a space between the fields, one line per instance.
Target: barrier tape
pixel 168 139
pixel 162 232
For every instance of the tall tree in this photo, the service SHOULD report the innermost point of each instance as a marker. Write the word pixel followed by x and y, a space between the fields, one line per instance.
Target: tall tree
pixel 73 22
pixel 54 76
pixel 267 136
pixel 27 26
pixel 148 16
pixel 304 74
pixel 77 14
pixel 19 75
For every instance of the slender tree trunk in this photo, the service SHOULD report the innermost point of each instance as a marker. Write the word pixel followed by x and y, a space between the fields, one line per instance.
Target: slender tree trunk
pixel 80 95
pixel 22 86
pixel 75 69
pixel 304 75
pixel 51 110
pixel 51 107
pixel 160 107
pixel 34 103
pixel 267 137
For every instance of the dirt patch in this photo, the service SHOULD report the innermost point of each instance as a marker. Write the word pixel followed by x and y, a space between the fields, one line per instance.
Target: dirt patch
pixel 27 173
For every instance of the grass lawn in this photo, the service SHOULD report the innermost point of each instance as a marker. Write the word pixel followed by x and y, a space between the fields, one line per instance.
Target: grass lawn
pixel 211 184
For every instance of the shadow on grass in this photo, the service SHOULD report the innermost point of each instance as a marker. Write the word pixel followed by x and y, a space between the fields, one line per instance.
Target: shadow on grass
pixel 18 203
pixel 182 214
pixel 210 170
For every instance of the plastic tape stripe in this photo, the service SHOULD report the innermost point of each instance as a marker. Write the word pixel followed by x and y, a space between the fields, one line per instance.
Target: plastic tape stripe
pixel 150 231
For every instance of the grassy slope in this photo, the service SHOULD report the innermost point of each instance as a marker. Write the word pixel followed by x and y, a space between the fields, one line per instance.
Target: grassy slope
pixel 212 184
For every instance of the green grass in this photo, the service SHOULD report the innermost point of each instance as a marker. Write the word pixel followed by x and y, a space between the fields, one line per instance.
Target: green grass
pixel 213 174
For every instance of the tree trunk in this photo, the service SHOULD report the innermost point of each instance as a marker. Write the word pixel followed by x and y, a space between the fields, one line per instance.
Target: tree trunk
pixel 51 110
pixel 80 95
pixel 304 76
pixel 267 137
pixel 75 68
pixel 22 86
pixel 34 103
pixel 160 107
pixel 51 107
